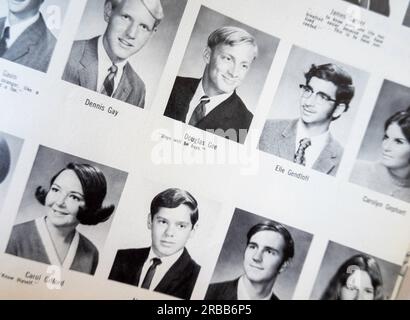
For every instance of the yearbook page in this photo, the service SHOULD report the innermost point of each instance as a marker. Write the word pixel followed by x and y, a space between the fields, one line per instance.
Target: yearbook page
pixel 205 149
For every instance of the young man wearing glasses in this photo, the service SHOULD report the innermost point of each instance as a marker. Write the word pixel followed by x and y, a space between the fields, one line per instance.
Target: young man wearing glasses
pixel 307 141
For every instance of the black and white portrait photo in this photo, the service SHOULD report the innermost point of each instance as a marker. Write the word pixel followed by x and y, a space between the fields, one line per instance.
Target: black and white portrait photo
pixel 260 259
pixel 313 111
pixel 164 245
pixel 10 147
pixel 221 76
pixel 66 211
pixel 348 274
pixel 383 162
pixel 29 30
pixel 121 47
pixel 377 6
pixel 406 21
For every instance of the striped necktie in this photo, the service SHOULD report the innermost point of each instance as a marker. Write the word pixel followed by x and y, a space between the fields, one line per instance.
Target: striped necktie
pixel 108 85
pixel 199 112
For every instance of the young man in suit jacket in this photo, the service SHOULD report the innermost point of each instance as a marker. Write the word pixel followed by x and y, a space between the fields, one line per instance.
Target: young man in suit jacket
pixel 307 141
pixel 211 103
pixel 101 63
pixel 166 266
pixel 24 36
pixel 268 252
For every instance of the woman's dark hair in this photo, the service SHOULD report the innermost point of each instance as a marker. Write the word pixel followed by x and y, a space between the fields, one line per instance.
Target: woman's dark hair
pixel 402 118
pixel 357 262
pixel 94 187
pixel 173 198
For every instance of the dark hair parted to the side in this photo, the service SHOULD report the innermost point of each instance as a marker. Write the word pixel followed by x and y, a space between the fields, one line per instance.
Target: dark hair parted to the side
pixel 173 198
pixel 289 250
pixel 357 262
pixel 338 76
pixel 94 187
pixel 402 118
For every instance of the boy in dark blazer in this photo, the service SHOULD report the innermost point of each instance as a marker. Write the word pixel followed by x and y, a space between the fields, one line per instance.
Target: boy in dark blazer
pixel 166 266
pixel 211 103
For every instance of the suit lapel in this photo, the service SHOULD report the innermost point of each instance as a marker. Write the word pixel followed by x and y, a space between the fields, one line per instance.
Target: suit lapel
pixel 174 276
pixel 288 144
pixel 327 159
pixel 88 74
pixel 183 100
pixel 138 269
pixel 29 38
pixel 124 87
pixel 220 115
pixel 232 290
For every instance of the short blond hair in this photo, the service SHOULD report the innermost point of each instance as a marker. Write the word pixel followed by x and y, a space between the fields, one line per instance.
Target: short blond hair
pixel 231 36
pixel 154 7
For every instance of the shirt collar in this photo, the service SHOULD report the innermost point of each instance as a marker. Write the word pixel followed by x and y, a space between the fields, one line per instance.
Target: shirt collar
pixel 165 261
pixel 301 133
pixel 17 29
pixel 105 63
pixel 243 293
pixel 215 99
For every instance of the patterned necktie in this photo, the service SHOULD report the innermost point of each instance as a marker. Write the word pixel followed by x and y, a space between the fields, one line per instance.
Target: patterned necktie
pixel 3 41
pixel 150 273
pixel 199 112
pixel 300 154
pixel 108 85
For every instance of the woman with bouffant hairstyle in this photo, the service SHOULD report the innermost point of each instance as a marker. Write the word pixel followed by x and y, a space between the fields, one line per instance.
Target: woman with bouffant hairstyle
pixel 75 196
pixel 358 278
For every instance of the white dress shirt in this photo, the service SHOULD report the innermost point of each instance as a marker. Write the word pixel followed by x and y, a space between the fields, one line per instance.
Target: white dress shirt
pixel 104 64
pixel 17 29
pixel 243 293
pixel 319 142
pixel 211 105
pixel 161 270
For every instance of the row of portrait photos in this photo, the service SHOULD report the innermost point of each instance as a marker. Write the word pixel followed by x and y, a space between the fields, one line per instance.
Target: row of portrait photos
pixel 68 207
pixel 217 88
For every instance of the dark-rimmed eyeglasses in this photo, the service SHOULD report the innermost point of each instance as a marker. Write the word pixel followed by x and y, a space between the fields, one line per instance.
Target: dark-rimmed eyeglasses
pixel 321 97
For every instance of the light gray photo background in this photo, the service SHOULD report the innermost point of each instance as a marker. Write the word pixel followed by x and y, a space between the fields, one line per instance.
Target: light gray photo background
pixel 286 104
pixel 406 21
pixel 150 61
pixel 193 64
pixel 53 12
pixel 15 144
pixel 393 97
pixel 48 162
pixel 335 255
pixel 230 261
